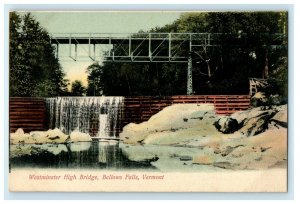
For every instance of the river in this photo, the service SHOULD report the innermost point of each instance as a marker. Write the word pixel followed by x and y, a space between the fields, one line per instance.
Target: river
pixel 80 155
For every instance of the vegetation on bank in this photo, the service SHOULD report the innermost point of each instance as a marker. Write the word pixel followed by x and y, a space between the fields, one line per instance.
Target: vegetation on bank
pixel 33 68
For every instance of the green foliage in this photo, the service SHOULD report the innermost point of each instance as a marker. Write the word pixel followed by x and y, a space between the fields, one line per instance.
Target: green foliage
pixel 278 82
pixel 246 50
pixel 34 70
pixel 77 89
pixel 95 84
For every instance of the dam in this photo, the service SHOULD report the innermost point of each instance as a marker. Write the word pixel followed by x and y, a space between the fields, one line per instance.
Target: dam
pixel 105 116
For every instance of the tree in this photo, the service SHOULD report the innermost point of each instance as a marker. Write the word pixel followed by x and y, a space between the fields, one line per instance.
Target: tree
pixel 77 89
pixel 95 84
pixel 34 70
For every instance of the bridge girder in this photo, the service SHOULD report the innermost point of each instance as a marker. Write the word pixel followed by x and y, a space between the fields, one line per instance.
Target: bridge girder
pixel 152 47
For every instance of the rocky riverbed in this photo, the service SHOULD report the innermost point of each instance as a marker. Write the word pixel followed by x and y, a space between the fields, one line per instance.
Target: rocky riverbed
pixel 191 136
pixel 183 137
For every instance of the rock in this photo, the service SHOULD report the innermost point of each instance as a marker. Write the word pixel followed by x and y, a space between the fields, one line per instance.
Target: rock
pixel 281 118
pixel 176 141
pixel 171 119
pixel 56 135
pixel 21 138
pixel 275 100
pixel 263 149
pixel 243 116
pixel 20 131
pixel 42 137
pixel 280 108
pixel 259 99
pixel 254 126
pixel 38 134
pixel 203 160
pixel 80 137
pixel 254 121
pixel 38 137
pixel 224 165
pixel 185 158
pixel 227 125
pixel 54 138
pixel 227 151
pixel 153 159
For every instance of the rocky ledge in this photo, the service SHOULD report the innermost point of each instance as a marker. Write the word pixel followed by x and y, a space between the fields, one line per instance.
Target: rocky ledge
pixel 193 136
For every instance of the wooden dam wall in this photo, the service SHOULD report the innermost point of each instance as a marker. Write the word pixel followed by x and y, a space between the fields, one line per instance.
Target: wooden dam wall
pixel 139 109
pixel 30 113
pixel 27 113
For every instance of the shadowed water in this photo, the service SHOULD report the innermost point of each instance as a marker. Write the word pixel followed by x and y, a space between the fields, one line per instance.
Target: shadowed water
pixel 79 155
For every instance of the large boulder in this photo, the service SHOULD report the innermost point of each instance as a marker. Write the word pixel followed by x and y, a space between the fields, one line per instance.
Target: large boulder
pixel 19 137
pixel 281 118
pixel 77 136
pixel 259 99
pixel 257 122
pixel 227 125
pixel 169 121
pixel 56 135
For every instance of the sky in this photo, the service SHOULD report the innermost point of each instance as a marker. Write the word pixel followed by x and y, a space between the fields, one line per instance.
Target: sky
pixel 97 22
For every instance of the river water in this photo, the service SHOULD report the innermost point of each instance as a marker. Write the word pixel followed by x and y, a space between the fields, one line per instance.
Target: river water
pixel 79 155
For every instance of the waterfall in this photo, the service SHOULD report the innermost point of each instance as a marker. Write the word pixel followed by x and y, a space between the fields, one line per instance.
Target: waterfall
pixel 97 116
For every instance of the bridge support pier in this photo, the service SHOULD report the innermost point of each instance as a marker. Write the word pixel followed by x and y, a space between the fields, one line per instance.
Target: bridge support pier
pixel 190 75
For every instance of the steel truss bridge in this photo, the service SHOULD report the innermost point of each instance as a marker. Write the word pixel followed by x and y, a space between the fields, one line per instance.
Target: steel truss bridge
pixel 151 47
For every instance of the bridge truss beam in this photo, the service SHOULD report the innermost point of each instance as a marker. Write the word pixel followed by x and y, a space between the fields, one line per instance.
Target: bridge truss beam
pixel 152 47
pixel 138 47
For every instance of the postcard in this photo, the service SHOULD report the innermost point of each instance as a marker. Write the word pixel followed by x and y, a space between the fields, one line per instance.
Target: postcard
pixel 161 101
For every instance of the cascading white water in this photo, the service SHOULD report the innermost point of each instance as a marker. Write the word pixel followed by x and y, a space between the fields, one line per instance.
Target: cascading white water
pixel 97 116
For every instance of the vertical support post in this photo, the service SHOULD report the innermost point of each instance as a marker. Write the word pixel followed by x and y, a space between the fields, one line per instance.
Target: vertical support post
pixel 129 47
pixel 205 43
pixel 150 54
pixel 75 52
pixel 94 52
pixel 170 47
pixel 208 68
pixel 90 46
pixel 57 50
pixel 109 42
pixel 70 44
pixel 190 75
pixel 113 53
pixel 190 42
